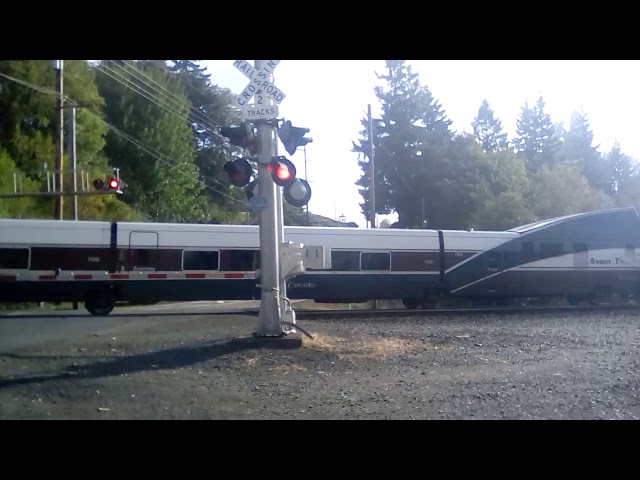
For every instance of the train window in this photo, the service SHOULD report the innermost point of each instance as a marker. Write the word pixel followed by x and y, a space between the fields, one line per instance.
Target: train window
pixel 579 247
pixel 345 261
pixel 238 260
pixel 527 251
pixel 629 251
pixel 199 260
pixel 375 261
pixel 419 261
pixel 14 258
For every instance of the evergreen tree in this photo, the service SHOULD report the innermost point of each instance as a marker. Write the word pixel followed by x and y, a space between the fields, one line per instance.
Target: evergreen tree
pixel 160 171
pixel 487 130
pixel 578 150
pixel 538 139
pixel 621 167
pixel 412 126
pixel 562 190
pixel 211 109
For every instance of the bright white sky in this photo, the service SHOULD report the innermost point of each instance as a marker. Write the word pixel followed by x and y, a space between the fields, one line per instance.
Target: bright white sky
pixel 330 97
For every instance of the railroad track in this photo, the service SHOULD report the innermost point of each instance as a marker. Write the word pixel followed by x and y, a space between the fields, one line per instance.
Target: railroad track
pixel 332 314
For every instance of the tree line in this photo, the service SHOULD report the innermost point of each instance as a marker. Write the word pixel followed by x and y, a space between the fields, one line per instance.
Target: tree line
pixel 158 122
pixel 436 178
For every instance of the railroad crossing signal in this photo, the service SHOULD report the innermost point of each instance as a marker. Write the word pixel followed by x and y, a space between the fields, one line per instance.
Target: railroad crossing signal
pixel 239 171
pixel 293 137
pixel 283 172
pixel 296 190
pixel 242 136
pixel 259 80
pixel 112 184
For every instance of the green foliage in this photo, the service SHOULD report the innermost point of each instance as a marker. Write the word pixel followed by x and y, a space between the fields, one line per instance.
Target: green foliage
pixel 487 130
pixel 538 138
pixel 620 167
pixel 501 212
pixel 27 122
pixel 210 108
pixel 20 207
pixel 407 139
pixel 163 181
pixel 562 190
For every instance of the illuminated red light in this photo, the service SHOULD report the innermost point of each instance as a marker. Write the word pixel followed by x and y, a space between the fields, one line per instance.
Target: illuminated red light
pixel 113 183
pixel 283 173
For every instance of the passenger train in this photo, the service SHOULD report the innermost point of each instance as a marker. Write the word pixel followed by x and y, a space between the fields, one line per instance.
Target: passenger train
pixel 577 256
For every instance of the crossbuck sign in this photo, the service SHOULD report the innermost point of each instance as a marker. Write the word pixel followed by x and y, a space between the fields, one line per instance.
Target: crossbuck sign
pixel 259 80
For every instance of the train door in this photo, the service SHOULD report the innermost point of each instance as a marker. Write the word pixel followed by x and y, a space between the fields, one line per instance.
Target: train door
pixel 143 250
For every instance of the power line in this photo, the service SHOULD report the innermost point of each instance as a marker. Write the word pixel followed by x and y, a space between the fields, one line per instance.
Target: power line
pixel 158 155
pixel 209 126
pixel 196 116
pixel 123 134
pixel 134 70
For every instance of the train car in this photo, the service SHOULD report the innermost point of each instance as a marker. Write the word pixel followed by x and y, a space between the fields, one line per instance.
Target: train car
pixel 579 256
pixel 583 257
pixel 100 263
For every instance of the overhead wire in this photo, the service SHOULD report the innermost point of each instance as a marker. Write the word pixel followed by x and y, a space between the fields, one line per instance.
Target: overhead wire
pixel 137 73
pixel 124 135
pixel 153 98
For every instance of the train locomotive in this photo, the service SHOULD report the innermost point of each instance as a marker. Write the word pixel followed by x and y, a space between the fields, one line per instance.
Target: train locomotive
pixel 581 257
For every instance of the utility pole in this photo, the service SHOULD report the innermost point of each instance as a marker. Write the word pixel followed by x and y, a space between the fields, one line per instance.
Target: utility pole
pixel 372 174
pixel 72 161
pixel 269 324
pixel 58 183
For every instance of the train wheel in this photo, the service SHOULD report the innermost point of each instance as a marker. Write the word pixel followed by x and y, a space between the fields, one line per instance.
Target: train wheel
pixel 410 303
pixel 574 300
pixel 100 302
pixel 428 304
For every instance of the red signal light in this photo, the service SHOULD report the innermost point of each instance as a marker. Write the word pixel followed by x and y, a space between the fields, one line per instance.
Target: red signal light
pixel 283 172
pixel 113 183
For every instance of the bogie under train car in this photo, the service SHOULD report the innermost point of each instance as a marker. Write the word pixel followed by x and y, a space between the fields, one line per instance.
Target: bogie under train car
pixel 580 257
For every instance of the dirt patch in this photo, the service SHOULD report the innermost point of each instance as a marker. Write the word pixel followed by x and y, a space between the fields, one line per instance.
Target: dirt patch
pixel 361 347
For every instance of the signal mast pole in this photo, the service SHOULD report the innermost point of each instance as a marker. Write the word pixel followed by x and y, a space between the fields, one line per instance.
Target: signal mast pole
pixel 269 320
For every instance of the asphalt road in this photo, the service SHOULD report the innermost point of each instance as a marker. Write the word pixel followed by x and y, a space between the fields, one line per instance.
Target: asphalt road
pixel 30 328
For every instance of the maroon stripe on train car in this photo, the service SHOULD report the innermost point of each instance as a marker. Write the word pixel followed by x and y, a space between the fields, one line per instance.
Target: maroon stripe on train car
pixel 83 277
pixel 195 275
pixel 7 278
pixel 47 277
pixel 119 276
pixel 234 275
pixel 157 275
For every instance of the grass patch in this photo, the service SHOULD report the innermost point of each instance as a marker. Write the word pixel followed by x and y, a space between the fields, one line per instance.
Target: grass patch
pixel 362 347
